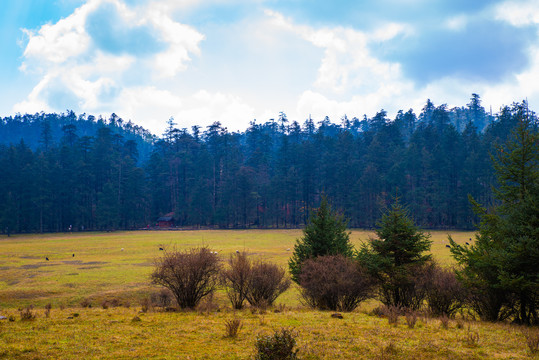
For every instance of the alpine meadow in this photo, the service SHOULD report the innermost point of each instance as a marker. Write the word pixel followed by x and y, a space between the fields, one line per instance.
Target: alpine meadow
pixel 189 250
pixel 269 179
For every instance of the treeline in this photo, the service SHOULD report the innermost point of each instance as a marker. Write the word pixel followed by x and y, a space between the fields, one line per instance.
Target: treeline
pixel 268 176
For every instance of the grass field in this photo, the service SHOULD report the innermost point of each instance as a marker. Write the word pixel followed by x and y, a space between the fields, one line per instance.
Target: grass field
pixel 101 270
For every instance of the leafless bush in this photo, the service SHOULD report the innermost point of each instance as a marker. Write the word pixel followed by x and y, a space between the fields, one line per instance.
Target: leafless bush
pixel 232 327
pixel 411 318
pixel 334 282
pixel 266 282
pixel 444 293
pixel 48 308
pixel 444 321
pixel 161 298
pixel 207 305
pixel 86 303
pixel 190 275
pixel 388 352
pixel 392 313
pixel 236 278
pixel 472 338
pixel 27 314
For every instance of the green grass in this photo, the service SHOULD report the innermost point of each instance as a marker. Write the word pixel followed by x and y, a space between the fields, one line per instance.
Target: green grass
pixel 100 270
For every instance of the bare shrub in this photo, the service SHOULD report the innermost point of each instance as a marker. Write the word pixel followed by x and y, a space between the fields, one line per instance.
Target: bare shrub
pixel 472 338
pixel 392 313
pixel 266 282
pixel 444 293
pixel 27 314
pixel 411 319
pixel 444 321
pixel 532 339
pixel 279 346
pixel 162 298
pixel 189 275
pixel 236 278
pixel 378 311
pixel 86 303
pixel 207 305
pixel 388 352
pixel 145 304
pixel 334 282
pixel 48 308
pixel 232 327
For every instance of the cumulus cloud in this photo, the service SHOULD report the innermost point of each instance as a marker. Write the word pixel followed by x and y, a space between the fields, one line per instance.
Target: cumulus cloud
pixel 104 50
pixel 135 58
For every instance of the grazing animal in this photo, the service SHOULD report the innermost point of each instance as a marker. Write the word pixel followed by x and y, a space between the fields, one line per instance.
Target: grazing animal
pixel 47 258
pixel 288 249
pixel 467 243
pixel 160 248
pixel 122 249
pixel 447 246
pixel 73 255
pixel 237 251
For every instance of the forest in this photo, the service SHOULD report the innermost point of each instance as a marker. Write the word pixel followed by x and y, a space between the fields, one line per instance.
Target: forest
pixel 63 171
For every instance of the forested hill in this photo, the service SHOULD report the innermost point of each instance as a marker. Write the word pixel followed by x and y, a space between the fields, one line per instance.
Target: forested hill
pixel 268 176
pixel 43 130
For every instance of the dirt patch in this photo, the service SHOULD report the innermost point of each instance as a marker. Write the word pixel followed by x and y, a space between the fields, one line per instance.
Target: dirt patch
pixel 23 294
pixel 144 264
pixel 36 266
pixel 89 267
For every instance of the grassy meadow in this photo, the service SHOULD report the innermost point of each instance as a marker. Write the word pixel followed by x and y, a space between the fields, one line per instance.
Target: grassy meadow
pixel 116 266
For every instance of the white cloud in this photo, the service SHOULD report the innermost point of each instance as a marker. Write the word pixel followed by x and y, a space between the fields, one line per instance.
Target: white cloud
pixel 350 79
pixel 202 108
pixel 76 73
pixel 518 13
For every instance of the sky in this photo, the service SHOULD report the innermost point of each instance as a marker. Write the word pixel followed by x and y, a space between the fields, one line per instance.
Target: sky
pixel 237 61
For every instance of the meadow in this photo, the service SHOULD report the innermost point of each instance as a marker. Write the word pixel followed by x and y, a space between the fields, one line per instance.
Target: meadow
pixel 97 268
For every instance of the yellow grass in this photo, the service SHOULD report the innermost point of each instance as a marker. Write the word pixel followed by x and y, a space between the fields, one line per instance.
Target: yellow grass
pixel 101 270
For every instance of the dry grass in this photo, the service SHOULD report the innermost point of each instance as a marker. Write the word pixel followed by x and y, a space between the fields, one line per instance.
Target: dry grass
pixel 115 334
pixel 102 272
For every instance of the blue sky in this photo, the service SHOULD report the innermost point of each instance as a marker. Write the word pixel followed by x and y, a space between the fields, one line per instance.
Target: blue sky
pixel 233 61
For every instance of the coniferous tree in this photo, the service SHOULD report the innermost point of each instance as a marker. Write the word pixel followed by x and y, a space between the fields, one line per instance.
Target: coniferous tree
pixel 324 235
pixel 501 267
pixel 396 256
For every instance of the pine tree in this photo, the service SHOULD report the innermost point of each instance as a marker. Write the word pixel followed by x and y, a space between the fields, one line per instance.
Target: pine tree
pixel 324 235
pixel 396 256
pixel 501 267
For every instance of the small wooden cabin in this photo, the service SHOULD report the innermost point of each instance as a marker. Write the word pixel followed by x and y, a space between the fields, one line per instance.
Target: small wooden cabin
pixel 166 221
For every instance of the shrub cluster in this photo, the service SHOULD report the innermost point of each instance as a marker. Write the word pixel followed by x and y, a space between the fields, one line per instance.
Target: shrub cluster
pixel 193 275
pixel 334 282
pixel 189 275
pixel 259 283
pixel 279 346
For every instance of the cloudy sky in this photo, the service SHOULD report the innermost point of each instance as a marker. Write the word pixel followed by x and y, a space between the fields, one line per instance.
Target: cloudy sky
pixel 234 61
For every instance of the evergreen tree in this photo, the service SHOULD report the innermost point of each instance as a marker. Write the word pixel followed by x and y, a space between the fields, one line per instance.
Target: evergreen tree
pixel 324 235
pixel 501 267
pixel 396 257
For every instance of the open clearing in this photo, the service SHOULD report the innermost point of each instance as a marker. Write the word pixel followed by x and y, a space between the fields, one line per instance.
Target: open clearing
pixel 100 270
